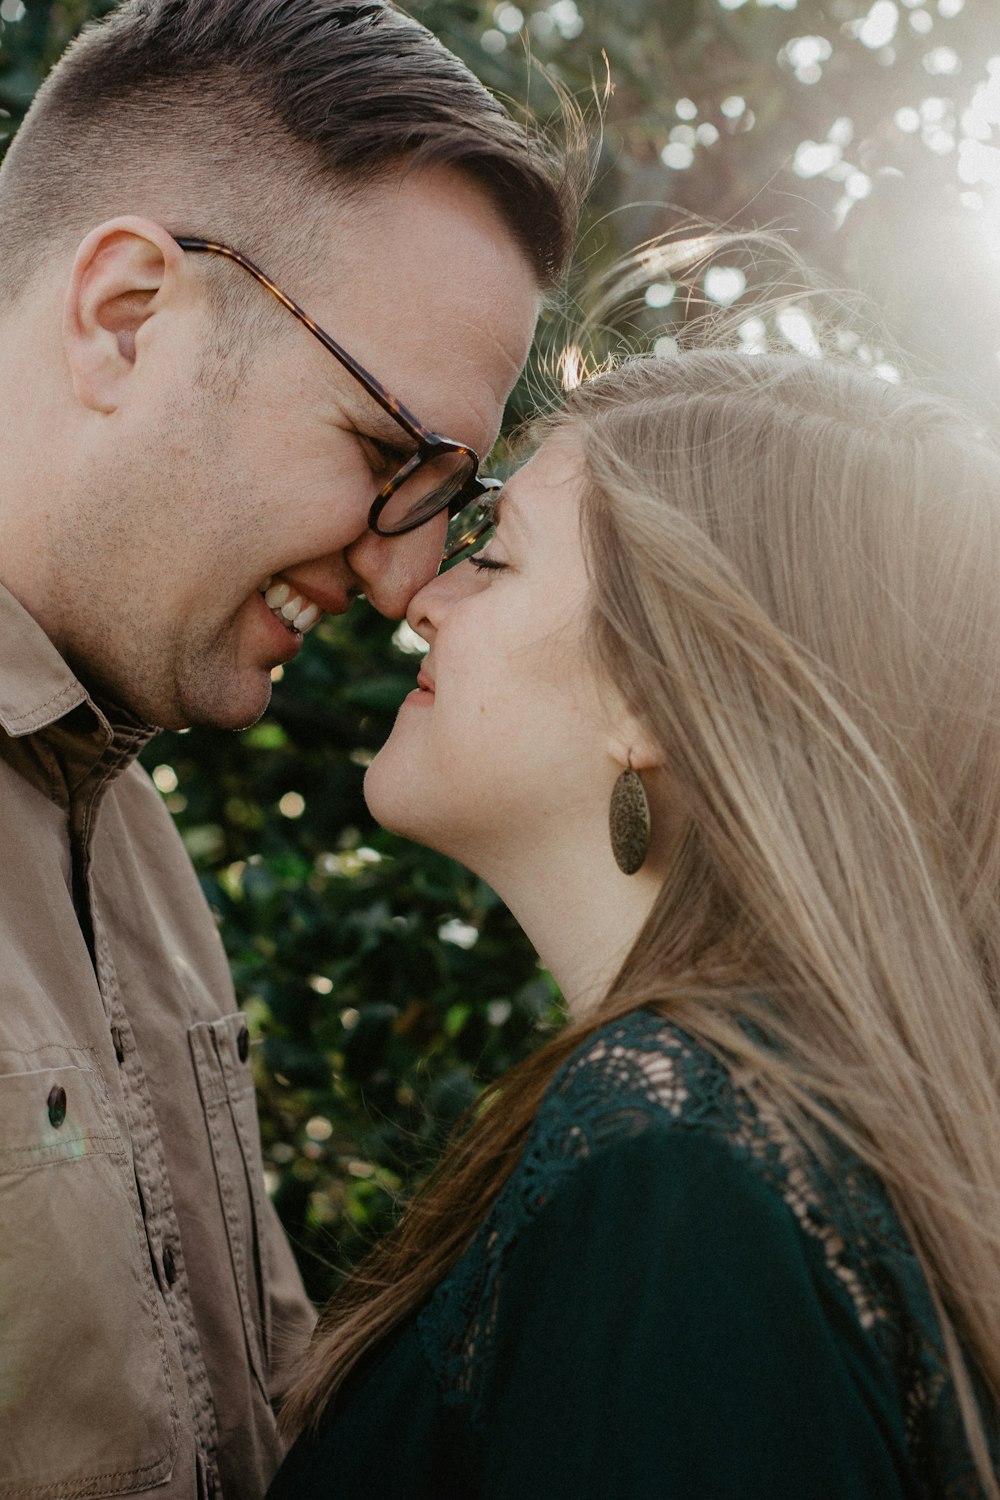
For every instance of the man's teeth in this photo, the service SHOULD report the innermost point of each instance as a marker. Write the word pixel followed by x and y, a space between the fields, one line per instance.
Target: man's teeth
pixel 306 617
pixel 294 610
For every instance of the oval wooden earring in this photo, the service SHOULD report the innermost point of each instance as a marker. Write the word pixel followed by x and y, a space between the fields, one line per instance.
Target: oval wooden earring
pixel 629 822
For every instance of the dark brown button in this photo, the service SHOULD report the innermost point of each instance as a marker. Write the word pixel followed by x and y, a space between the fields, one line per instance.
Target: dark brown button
pixel 57 1106
pixel 243 1044
pixel 169 1266
pixel 116 1038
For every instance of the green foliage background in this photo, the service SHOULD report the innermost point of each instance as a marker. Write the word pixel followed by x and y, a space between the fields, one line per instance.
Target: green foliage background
pixel 384 985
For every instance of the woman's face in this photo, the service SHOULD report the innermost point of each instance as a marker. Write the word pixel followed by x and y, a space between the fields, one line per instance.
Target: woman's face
pixel 503 745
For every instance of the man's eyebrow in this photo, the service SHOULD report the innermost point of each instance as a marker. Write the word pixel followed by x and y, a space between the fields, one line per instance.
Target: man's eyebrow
pixel 376 423
pixel 393 434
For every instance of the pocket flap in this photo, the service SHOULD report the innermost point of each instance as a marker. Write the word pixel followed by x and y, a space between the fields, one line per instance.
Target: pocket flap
pixel 50 1113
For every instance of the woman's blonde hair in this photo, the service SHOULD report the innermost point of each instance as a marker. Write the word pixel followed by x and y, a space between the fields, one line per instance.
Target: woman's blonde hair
pixel 795 569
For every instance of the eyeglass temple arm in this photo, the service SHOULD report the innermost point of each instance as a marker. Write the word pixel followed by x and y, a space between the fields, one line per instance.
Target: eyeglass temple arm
pixel 394 408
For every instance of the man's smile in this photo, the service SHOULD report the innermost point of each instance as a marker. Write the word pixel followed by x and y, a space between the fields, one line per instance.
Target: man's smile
pixel 296 611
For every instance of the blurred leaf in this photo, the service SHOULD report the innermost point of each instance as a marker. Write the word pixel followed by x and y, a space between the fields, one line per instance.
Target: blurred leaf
pixel 385 693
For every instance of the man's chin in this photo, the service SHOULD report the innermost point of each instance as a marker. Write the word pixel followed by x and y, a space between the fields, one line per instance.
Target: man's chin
pixel 216 695
pixel 223 710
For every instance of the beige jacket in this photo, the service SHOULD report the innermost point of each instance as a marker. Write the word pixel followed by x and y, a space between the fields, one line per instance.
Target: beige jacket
pixel 149 1303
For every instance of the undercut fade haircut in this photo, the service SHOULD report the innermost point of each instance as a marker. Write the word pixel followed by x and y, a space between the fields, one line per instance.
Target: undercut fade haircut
pixel 231 119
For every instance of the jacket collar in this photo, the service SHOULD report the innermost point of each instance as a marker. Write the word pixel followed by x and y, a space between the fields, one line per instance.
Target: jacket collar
pixel 73 735
pixel 36 685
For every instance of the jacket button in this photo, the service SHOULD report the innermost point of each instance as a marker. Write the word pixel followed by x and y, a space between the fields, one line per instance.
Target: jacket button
pixel 169 1266
pixel 243 1044
pixel 57 1106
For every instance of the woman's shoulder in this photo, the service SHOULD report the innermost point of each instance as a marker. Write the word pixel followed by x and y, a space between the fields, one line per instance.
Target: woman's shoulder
pixel 645 1121
pixel 643 1079
pixel 642 1086
pixel 642 1075
pixel 637 1073
pixel 638 1077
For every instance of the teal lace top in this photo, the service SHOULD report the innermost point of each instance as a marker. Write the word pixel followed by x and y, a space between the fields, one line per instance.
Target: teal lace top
pixel 669 1298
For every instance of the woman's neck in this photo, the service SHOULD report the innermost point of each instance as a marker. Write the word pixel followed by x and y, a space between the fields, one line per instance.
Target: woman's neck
pixel 581 914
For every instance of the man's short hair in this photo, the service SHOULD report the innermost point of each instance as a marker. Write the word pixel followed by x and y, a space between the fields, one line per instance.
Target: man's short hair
pixel 228 118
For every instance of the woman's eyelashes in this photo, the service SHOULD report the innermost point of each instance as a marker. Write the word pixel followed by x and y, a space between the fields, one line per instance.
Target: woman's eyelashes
pixel 485 564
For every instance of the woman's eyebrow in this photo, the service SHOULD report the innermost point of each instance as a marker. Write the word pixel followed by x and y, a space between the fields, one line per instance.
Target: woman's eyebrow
pixel 505 507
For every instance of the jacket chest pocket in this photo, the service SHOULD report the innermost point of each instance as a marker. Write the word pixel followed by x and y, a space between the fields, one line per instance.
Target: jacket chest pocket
pixel 86 1404
pixel 220 1050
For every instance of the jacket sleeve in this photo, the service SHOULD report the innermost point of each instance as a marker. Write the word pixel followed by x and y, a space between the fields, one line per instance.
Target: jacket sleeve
pixel 665 1328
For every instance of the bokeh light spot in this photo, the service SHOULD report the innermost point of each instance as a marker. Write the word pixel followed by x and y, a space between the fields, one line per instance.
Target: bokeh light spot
pixel 815 157
pixel 459 933
pixel 677 156
pixel 165 779
pixel 879 26
pixel 724 284
pixel 796 328
pixel 509 18
pixel 660 294
pixel 406 640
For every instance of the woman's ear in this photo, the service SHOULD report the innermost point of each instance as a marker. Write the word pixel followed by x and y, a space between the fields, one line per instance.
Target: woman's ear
pixel 118 272
pixel 633 750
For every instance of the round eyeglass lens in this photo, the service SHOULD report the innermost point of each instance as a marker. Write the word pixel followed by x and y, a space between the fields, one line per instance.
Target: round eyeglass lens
pixel 469 530
pixel 434 482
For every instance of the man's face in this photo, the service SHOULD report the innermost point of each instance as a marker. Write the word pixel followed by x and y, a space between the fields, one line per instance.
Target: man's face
pixel 196 492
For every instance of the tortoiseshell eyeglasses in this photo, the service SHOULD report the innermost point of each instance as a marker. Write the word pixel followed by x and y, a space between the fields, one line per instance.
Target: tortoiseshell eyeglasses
pixel 440 474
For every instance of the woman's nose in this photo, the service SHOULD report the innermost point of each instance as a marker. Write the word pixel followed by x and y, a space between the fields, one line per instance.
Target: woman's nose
pixel 425 609
pixel 421 610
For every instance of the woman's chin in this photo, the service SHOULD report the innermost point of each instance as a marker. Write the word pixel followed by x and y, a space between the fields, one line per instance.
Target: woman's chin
pixel 397 805
pixel 392 799
pixel 379 798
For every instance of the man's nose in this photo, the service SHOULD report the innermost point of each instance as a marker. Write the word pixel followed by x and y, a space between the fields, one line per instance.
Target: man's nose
pixel 390 570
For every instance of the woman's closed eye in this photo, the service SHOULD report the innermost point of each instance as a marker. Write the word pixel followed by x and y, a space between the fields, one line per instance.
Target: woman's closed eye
pixel 483 563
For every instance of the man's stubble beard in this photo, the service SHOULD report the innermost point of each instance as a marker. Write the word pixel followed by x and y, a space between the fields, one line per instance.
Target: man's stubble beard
pixel 116 624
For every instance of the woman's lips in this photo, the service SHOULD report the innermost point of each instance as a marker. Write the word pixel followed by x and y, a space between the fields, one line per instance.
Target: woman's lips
pixel 423 692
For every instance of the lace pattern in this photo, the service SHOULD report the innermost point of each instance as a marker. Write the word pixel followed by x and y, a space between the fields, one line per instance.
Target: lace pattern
pixel 641 1072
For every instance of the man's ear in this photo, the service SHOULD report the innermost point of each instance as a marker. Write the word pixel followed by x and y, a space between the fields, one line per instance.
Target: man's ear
pixel 118 270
